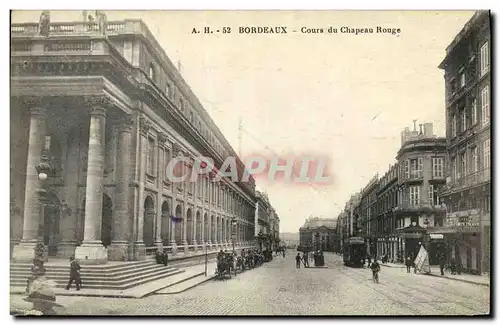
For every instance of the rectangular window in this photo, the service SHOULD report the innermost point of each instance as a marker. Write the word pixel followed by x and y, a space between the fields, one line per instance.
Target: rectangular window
pixel 486 154
pixel 437 167
pixel 473 113
pixel 485 59
pixel 150 156
pixel 413 167
pixel 414 195
pixel 485 105
pixel 407 169
pixel 431 195
pixel 464 119
pixel 474 161
pixel 463 164
pixel 420 167
pixel 454 126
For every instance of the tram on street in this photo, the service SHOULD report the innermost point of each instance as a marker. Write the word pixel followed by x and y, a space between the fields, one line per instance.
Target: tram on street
pixel 354 251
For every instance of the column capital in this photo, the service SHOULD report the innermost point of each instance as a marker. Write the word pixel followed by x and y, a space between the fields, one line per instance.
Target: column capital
pixel 98 111
pixel 97 100
pixel 32 101
pixel 162 139
pixel 125 123
pixel 144 125
pixel 37 111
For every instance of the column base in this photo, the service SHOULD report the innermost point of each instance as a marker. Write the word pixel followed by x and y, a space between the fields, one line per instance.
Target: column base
pixel 186 247
pixel 66 249
pixel 118 251
pixel 91 253
pixel 24 251
pixel 174 248
pixel 159 245
pixel 139 251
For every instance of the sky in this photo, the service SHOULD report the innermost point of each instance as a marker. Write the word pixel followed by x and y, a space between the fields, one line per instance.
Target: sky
pixel 342 96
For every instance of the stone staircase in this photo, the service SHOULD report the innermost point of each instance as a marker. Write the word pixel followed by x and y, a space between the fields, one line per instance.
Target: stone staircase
pixel 120 276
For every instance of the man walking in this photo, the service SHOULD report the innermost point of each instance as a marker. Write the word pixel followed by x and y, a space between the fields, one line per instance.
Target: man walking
pixel 297 261
pixel 74 274
pixel 408 263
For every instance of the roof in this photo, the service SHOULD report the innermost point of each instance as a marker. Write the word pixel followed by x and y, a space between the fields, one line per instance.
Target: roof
pixel 316 223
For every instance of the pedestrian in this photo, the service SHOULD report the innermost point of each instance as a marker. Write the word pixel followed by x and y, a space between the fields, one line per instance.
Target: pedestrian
pixel 408 264
pixel 297 261
pixel 441 263
pixel 74 274
pixel 305 258
pixel 165 258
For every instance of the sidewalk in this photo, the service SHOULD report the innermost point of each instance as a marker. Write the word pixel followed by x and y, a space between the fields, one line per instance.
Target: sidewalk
pixel 483 280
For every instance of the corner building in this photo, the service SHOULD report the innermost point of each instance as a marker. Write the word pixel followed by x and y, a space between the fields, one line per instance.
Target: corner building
pixel 108 110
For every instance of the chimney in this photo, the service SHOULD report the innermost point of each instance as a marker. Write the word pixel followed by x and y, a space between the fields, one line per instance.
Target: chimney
pixel 414 125
pixel 421 131
pixel 428 131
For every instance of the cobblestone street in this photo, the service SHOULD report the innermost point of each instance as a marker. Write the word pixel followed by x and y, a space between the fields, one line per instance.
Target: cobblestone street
pixel 278 288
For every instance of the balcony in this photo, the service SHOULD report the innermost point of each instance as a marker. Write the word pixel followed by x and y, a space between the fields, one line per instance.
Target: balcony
pixel 470 180
pixel 416 209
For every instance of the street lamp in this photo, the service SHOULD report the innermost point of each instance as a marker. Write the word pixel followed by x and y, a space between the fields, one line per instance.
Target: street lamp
pixel 43 170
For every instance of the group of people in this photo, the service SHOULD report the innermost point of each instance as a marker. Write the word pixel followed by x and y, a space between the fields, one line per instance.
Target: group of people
pixel 316 257
pixel 228 262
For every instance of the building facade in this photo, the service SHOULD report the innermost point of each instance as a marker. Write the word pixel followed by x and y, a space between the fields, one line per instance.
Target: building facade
pixel 266 223
pixel 368 206
pixel 395 212
pixel 319 234
pixel 467 195
pixel 100 110
pixel 421 160
pixel 387 238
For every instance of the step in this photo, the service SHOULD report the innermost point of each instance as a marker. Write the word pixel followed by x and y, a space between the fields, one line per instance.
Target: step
pixel 89 268
pixel 185 285
pixel 114 285
pixel 91 280
pixel 91 274
pixel 102 267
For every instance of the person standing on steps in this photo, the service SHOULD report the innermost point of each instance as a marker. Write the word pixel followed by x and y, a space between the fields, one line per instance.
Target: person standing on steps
pixel 74 274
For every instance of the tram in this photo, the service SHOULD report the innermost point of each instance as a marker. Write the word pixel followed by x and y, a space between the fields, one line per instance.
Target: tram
pixel 354 251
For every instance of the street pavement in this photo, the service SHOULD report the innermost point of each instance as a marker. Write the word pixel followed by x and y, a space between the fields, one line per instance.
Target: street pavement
pixel 278 288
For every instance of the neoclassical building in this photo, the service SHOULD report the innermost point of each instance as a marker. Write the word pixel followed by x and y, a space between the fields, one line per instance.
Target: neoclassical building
pixel 319 234
pixel 101 110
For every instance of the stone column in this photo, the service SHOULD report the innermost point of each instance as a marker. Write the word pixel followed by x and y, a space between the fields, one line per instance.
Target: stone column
pixel 92 251
pixel 185 224
pixel 195 223
pixel 66 247
pixel 118 250
pixel 162 140
pixel 32 208
pixel 173 240
pixel 139 246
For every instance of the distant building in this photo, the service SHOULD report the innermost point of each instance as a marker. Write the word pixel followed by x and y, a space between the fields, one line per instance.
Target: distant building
pixel 266 223
pixel 467 195
pixel 368 215
pixel 319 233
